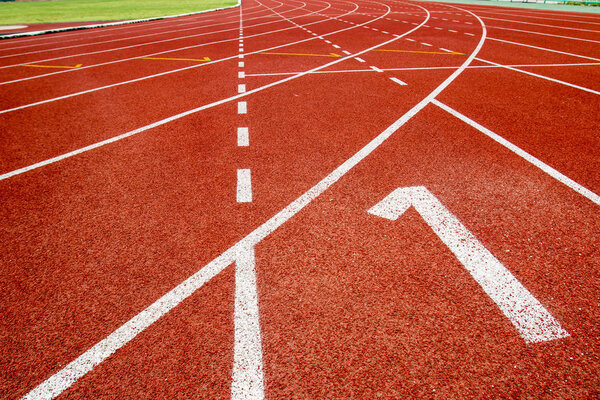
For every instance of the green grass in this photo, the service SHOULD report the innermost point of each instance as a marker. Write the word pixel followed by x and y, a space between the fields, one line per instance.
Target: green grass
pixel 35 12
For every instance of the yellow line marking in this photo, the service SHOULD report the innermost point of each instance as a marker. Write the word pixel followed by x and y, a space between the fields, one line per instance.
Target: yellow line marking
pixel 422 52
pixel 51 66
pixel 311 55
pixel 176 59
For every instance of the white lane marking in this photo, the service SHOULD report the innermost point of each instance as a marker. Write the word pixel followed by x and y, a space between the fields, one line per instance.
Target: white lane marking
pixel 410 40
pixel 241 64
pixel 544 25
pixel 241 88
pixel 438 28
pixel 241 74
pixel 243 137
pixel 248 376
pixel 470 34
pixel 346 52
pixel 386 32
pixel 359 59
pixel 244 186
pixel 532 320
pixel 241 56
pixel 541 76
pixel 470 23
pixel 242 107
pixel 336 46
pixel 374 68
pixel 544 49
pixel 398 81
pixel 10 27
pixel 426 44
pixel 327 41
pixel 452 30
pixel 446 50
pixel 545 34
pixel 593 197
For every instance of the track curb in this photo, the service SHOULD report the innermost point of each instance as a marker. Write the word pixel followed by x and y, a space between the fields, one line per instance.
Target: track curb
pixel 132 21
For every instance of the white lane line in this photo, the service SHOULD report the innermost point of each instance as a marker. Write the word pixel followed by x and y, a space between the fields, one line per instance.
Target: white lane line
pixel 541 77
pixel 346 52
pixel 398 81
pixel 241 64
pixel 545 34
pixel 241 56
pixel 410 40
pixel 241 88
pixel 327 41
pixel 336 46
pixel 470 34
pixel 359 59
pixel 242 107
pixel 241 74
pixel 248 376
pixel 374 68
pixel 544 49
pixel 544 25
pixel 523 154
pixel 452 30
pixel 386 32
pixel 426 44
pixel 244 186
pixel 438 28
pixel 243 137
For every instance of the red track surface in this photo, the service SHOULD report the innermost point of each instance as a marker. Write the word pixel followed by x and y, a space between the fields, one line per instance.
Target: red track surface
pixel 119 177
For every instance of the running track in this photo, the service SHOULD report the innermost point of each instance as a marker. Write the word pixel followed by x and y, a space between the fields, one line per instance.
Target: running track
pixel 191 212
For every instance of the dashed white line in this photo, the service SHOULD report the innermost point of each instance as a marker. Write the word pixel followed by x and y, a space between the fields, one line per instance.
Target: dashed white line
pixel 374 68
pixel 470 34
pixel 398 81
pixel 346 52
pixel 336 46
pixel 243 136
pixel 241 74
pixel 242 107
pixel 426 44
pixel 452 30
pixel 359 59
pixel 244 186
pixel 241 64
pixel 241 88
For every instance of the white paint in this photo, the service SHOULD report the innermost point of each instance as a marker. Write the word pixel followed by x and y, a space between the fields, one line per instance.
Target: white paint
pixel 244 186
pixel 530 318
pixel 374 68
pixel 547 34
pixel 11 27
pixel 336 46
pixel 544 49
pixel 426 44
pixel 410 40
pixel 243 137
pixel 446 50
pixel 241 88
pixel 346 52
pixel 241 64
pixel 439 29
pixel 398 81
pixel 452 30
pixel 470 34
pixel 248 376
pixel 593 197
pixel 242 107
pixel 241 74
pixel 542 77
pixel 241 56
pixel 359 59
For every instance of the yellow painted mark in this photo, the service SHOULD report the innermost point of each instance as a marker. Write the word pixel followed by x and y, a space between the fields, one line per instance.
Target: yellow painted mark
pixel 301 54
pixel 423 52
pixel 51 66
pixel 177 59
